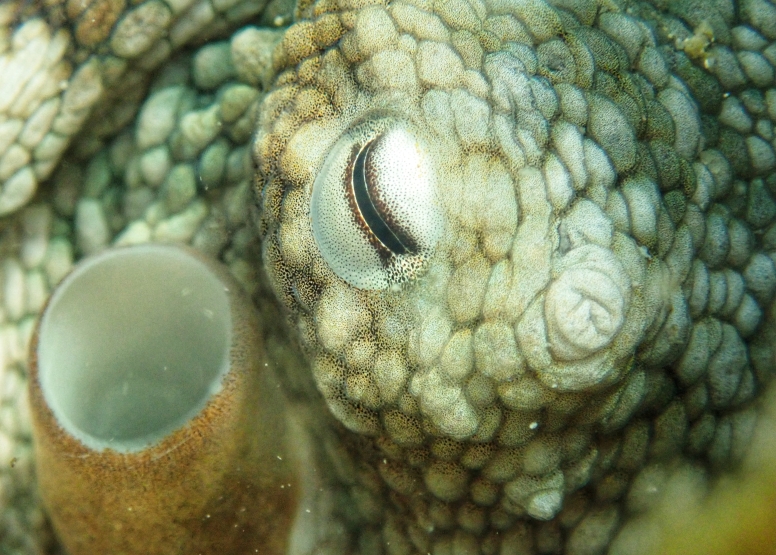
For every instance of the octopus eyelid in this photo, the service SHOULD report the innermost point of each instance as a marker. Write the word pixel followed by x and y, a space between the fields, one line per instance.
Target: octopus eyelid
pixel 369 213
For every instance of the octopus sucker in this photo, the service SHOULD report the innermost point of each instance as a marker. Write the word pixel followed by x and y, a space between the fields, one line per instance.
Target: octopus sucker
pixel 516 260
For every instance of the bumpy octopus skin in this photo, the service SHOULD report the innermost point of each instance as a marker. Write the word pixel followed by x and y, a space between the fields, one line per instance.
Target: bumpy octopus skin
pixel 572 298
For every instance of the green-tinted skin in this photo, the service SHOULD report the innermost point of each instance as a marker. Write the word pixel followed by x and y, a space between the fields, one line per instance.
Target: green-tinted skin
pixel 599 308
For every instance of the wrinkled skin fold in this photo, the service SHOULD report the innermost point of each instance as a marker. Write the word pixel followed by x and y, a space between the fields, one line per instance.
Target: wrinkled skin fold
pixel 517 258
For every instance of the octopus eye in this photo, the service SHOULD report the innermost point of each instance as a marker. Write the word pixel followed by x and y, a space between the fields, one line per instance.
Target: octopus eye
pixel 374 210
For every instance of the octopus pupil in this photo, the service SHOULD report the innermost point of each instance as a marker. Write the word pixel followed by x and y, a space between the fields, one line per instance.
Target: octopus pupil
pixel 370 211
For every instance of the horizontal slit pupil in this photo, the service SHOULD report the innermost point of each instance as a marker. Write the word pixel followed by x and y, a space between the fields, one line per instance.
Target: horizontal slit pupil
pixel 369 211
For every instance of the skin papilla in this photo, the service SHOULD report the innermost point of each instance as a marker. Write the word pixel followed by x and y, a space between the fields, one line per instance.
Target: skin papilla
pixel 517 259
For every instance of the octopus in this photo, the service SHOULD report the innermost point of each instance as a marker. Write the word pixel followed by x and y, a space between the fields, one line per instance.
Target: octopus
pixel 516 259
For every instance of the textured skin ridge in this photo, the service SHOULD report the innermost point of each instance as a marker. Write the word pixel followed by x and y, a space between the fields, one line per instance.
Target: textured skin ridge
pixel 592 330
pixel 69 63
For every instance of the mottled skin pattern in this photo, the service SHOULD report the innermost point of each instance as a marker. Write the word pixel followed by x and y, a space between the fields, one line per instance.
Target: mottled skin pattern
pixel 87 59
pixel 600 305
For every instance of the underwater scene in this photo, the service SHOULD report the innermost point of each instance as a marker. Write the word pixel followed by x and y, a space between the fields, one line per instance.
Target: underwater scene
pixel 387 277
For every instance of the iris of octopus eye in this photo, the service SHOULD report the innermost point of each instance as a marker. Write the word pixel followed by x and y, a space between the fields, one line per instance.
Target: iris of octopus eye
pixel 374 210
